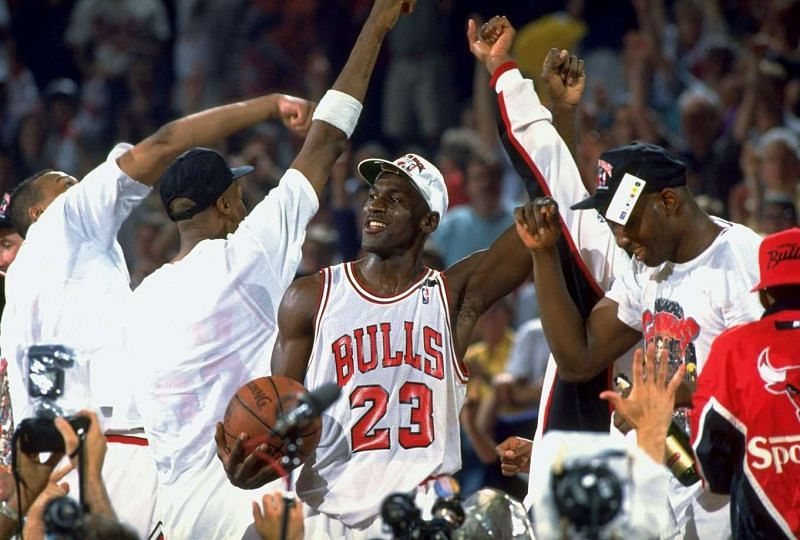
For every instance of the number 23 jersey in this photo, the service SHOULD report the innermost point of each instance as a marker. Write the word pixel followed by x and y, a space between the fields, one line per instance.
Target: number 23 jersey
pixel 396 422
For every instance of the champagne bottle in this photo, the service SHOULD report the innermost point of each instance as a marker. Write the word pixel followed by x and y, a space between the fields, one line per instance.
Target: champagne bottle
pixel 678 457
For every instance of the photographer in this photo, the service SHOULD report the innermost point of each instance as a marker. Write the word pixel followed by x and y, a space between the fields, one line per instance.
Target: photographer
pixel 40 489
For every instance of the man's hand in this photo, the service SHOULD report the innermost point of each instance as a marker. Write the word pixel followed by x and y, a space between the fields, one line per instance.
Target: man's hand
pixel 94 443
pixel 34 519
pixel 34 475
pixel 295 113
pixel 538 223
pixel 268 523
pixel 492 44
pixel 564 77
pixel 249 472
pixel 649 406
pixel 515 455
pixel 385 13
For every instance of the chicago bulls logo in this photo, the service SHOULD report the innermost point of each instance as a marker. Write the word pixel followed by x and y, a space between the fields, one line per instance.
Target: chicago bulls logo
pixel 780 380
pixel 410 162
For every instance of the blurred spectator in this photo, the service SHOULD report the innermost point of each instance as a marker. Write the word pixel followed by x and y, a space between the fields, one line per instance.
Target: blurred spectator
pixel 61 106
pixel 318 250
pixel 456 148
pixel 417 92
pixel 474 226
pixel 776 213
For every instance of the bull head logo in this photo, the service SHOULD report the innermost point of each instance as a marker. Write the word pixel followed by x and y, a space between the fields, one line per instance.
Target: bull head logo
pixel 780 380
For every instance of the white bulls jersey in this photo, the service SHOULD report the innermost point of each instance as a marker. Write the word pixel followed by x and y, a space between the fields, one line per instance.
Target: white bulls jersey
pixel 396 422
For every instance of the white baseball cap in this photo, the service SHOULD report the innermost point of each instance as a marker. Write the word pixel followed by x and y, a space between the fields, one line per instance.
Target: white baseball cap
pixel 422 173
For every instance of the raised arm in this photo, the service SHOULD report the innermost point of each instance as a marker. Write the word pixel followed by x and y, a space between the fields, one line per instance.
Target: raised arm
pixel 581 350
pixel 325 142
pixel 148 159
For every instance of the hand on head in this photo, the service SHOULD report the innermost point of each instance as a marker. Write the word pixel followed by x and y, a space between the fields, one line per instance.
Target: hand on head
pixel 564 77
pixel 538 223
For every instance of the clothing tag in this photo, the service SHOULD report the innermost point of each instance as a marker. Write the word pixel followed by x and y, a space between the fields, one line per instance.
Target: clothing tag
pixel 624 199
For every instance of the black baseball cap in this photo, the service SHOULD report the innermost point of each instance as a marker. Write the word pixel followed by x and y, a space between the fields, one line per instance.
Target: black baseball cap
pixel 652 167
pixel 200 175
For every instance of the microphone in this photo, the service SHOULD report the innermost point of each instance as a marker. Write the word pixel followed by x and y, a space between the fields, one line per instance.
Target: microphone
pixel 311 406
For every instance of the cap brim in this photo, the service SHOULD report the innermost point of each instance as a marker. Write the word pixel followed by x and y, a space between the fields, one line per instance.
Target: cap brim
pixel 369 169
pixel 586 204
pixel 238 172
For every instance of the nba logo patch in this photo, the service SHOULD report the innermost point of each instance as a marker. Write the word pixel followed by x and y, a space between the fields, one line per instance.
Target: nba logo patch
pixel 426 295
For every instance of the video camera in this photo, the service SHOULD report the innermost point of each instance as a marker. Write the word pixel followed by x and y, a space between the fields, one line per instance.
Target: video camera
pixel 596 486
pixel 401 514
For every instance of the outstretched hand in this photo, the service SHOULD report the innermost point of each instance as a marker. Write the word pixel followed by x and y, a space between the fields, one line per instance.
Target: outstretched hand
pixel 538 223
pixel 491 44
pixel 649 406
pixel 295 113
pixel 564 77
pixel 246 472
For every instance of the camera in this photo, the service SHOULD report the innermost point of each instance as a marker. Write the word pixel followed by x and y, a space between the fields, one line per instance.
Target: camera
pixel 63 519
pixel 57 384
pixel 597 486
pixel 401 514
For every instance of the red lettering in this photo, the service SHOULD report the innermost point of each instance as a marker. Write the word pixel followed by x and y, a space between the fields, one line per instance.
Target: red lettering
pixel 413 360
pixel 372 331
pixel 342 350
pixel 434 363
pixel 389 359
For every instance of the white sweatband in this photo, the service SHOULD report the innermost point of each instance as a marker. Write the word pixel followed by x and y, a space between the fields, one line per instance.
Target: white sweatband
pixel 339 110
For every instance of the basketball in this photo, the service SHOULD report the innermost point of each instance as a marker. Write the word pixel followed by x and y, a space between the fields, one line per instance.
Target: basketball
pixel 255 408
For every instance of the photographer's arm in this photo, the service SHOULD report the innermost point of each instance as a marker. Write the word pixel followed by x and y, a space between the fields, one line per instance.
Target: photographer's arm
pixel 94 450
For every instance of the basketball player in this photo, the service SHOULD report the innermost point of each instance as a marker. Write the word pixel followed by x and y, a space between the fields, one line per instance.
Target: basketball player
pixel 689 280
pixel 205 324
pixel 69 283
pixel 541 155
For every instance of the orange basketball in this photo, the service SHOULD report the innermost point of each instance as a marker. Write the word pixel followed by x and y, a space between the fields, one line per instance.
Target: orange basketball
pixel 255 408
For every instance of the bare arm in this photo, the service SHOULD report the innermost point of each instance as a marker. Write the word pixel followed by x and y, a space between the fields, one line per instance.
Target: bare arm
pixel 148 160
pixel 565 81
pixel 480 280
pixel 581 350
pixel 325 143
pixel 296 328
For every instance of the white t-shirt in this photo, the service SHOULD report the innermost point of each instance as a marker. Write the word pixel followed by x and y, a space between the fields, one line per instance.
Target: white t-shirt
pixel 685 306
pixel 70 285
pixel 206 324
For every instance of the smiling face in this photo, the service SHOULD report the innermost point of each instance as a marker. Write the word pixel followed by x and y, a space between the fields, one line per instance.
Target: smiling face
pixel 646 236
pixel 396 217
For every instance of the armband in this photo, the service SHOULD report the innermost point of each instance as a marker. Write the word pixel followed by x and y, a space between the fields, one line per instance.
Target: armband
pixel 339 110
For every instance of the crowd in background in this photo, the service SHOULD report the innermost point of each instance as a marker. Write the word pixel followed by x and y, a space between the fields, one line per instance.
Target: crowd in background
pixel 715 81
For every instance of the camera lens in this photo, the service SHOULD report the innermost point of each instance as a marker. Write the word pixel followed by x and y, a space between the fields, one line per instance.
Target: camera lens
pixel 63 516
pixel 588 495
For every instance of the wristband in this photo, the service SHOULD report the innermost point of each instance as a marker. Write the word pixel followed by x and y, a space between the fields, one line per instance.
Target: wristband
pixel 339 110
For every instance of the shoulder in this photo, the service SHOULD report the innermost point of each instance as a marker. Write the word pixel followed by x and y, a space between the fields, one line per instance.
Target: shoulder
pixel 304 289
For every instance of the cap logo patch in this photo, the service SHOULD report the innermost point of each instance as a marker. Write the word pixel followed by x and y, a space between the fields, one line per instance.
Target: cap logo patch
pixel 604 170
pixel 624 200
pixel 410 162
